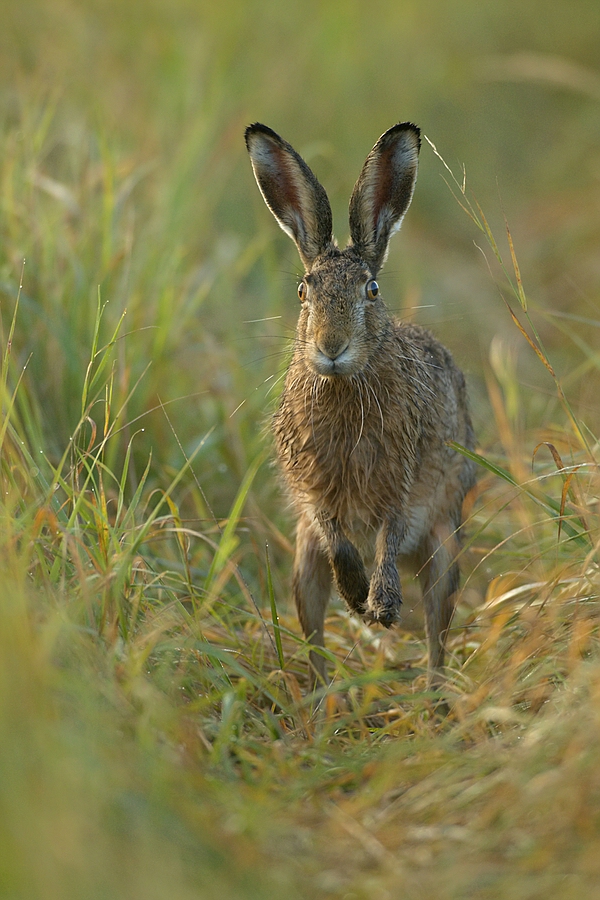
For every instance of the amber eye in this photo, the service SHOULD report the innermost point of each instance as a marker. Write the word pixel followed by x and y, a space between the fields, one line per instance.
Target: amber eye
pixel 372 289
pixel 302 291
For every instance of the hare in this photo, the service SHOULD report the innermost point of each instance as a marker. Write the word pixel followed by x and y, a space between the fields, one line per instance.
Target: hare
pixel 368 408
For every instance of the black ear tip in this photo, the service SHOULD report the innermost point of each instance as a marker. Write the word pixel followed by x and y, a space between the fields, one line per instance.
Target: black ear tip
pixel 259 128
pixel 415 130
pixel 408 127
pixel 251 130
pixel 407 130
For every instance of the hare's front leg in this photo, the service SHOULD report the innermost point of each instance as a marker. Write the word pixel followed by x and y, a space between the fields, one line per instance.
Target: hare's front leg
pixel 385 594
pixel 312 589
pixel 348 568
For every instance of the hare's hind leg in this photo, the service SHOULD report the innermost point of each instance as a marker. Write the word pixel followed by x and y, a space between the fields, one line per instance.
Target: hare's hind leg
pixel 312 588
pixel 440 578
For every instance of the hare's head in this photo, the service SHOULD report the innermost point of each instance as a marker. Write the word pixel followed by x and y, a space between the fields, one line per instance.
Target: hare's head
pixel 343 316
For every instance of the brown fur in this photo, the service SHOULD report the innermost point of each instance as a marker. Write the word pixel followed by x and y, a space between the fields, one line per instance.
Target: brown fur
pixel 368 408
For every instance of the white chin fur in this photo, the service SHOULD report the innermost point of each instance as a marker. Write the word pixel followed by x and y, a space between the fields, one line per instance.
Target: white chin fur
pixel 344 364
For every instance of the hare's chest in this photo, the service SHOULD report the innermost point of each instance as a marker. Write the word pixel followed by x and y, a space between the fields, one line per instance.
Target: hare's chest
pixel 348 459
pixel 358 480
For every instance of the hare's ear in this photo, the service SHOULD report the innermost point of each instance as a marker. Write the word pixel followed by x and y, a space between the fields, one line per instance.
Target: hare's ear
pixel 291 191
pixel 383 192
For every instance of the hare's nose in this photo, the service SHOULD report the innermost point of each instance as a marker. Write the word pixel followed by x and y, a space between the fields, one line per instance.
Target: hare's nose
pixel 333 348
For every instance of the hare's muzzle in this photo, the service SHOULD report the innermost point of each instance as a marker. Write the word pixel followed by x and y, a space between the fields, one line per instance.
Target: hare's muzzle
pixel 333 357
pixel 333 347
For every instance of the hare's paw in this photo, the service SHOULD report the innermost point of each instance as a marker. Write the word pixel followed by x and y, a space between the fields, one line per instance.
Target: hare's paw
pixel 384 602
pixel 350 577
pixel 354 589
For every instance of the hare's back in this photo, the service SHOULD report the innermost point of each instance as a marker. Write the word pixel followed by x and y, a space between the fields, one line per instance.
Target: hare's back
pixel 443 475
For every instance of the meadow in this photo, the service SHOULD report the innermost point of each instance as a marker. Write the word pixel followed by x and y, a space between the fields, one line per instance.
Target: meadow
pixel 156 736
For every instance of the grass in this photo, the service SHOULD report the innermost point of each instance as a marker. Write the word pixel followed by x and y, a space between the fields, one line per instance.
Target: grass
pixel 157 739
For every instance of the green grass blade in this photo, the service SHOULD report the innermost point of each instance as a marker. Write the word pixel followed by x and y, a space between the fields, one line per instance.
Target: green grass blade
pixel 274 613
pixel 227 542
pixel 551 507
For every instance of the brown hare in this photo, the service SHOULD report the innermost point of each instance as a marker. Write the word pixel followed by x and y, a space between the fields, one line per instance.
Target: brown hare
pixel 368 408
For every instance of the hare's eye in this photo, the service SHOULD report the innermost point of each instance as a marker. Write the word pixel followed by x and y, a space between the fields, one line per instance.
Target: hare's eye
pixel 372 289
pixel 302 291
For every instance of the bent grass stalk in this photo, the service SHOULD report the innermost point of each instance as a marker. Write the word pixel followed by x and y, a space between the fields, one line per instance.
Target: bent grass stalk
pixel 478 218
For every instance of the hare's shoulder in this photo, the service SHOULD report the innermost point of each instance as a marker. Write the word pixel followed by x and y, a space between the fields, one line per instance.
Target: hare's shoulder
pixel 435 363
pixel 423 343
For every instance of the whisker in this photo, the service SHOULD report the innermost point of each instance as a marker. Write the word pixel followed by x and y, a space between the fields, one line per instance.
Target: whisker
pixel 422 362
pixel 275 383
pixel 266 319
pixel 258 359
pixel 313 395
pixel 357 381
pixel 370 386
